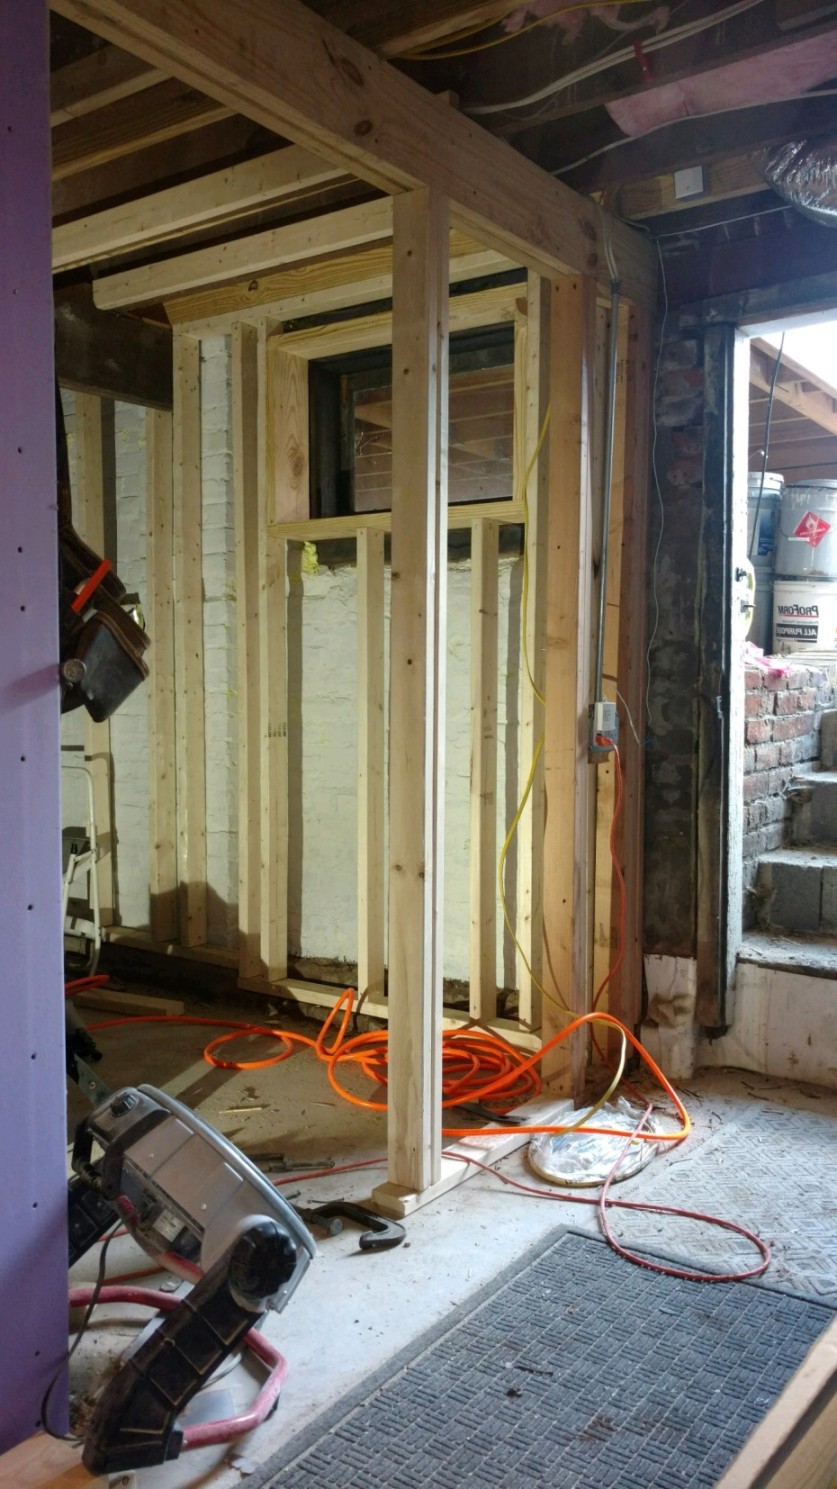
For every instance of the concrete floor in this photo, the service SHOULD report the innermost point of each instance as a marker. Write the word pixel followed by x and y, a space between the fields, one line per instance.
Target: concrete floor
pixel 759 1154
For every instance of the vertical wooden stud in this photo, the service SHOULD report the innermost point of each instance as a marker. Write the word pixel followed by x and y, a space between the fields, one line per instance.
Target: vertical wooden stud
pixel 188 640
pixel 245 431
pixel 162 785
pixel 417 688
pixel 567 674
pixel 288 436
pixel 273 685
pixel 94 462
pixel 625 992
pixel 532 374
pixel 370 763
pixel 606 906
pixel 483 852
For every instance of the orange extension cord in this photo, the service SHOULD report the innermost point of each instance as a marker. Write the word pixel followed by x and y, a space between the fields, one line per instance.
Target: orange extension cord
pixel 477 1065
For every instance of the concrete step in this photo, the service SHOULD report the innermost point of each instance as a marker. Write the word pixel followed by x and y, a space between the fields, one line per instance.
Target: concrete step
pixel 828 740
pixel 809 956
pixel 814 798
pixel 797 889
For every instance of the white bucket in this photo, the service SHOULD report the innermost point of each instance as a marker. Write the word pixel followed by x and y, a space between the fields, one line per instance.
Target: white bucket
pixel 804 615
pixel 806 541
pixel 763 503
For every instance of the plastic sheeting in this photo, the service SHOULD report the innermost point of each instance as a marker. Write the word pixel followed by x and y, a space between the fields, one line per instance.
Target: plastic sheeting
pixel 581 1159
pixel 805 175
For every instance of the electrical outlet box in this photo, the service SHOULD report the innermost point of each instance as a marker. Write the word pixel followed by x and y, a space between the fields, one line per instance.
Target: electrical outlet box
pixel 604 725
pixel 689 182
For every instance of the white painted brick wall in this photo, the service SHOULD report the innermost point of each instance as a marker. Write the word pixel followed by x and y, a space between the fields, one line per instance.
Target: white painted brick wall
pixel 322 860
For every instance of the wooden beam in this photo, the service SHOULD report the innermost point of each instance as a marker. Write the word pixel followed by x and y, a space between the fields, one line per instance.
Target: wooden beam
pixel 152 168
pixel 491 307
pixel 296 75
pixel 191 206
pixel 161 681
pixel 289 498
pixel 113 356
pixel 483 847
pixel 795 1445
pixel 94 82
pixel 567 676
pixel 94 467
pixel 625 989
pixel 724 179
pixel 188 642
pixel 334 283
pixel 796 387
pixel 273 687
pixel 370 763
pixel 220 264
pixel 248 522
pixel 417 693
pixel 319 529
pixel 532 372
pixel 159 113
pixel 398 26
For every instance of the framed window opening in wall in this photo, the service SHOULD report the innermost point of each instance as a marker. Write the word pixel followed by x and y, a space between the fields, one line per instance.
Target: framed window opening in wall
pixel 350 401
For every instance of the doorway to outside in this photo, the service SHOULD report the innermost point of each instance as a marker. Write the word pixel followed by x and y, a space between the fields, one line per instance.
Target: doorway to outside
pixel 782 847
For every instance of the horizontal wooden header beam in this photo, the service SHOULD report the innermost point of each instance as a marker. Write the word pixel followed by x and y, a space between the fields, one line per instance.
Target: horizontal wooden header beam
pixel 318 288
pixel 491 307
pixel 318 529
pixel 291 72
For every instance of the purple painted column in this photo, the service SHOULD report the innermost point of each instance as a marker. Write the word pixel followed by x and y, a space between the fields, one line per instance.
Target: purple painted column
pixel 33 1239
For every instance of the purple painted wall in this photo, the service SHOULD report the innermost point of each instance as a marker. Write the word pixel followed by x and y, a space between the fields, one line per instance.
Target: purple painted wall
pixel 33 1239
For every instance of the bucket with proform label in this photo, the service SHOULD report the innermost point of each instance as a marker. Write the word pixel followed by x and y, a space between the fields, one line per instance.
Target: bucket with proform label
pixel 804 615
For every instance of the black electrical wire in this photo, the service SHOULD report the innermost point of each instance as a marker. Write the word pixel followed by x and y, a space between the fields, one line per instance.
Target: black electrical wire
pixel 85 1323
pixel 767 420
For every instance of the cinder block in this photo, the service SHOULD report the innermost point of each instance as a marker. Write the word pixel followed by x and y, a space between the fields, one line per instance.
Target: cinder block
pixel 815 819
pixel 792 888
pixel 828 740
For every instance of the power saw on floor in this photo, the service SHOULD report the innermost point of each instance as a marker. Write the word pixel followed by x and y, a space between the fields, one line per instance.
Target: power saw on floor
pixel 201 1209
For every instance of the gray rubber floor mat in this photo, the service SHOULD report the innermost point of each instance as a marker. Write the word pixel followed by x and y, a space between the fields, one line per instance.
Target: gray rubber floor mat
pixel 574 1370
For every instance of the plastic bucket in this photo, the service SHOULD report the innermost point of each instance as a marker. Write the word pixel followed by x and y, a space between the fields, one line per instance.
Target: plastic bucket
pixel 806 541
pixel 762 517
pixel 761 623
pixel 804 615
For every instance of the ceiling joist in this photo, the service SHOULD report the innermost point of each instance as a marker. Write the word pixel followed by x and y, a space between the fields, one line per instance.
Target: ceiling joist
pixel 796 388
pixel 103 78
pixel 148 118
pixel 291 72
pixel 225 262
pixel 220 197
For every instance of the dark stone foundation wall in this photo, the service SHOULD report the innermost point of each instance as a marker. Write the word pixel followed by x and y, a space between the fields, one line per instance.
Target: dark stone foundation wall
pixel 676 518
pixel 781 740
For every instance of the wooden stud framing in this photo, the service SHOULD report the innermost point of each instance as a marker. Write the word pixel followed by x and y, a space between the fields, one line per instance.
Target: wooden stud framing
pixel 483 851
pixel 188 641
pixel 273 686
pixel 287 244
pixel 417 690
pixel 319 529
pixel 370 765
pixel 491 307
pixel 298 76
pixel 162 784
pixel 289 499
pixel 94 427
pixel 605 914
pixel 532 372
pixel 220 197
pixel 625 990
pixel 567 674
pixel 248 520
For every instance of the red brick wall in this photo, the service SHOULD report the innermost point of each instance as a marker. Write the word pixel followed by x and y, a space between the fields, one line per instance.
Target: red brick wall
pixel 781 737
